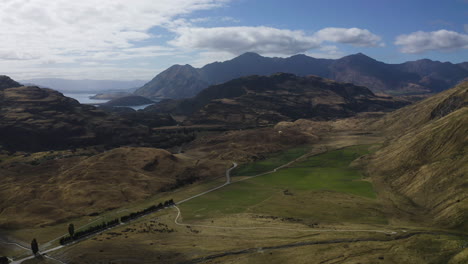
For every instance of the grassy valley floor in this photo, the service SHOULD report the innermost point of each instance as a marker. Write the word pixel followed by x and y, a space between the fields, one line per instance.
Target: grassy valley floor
pixel 318 209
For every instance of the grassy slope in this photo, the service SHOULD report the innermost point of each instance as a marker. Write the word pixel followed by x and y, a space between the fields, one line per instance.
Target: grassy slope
pixel 321 188
pixel 426 161
pixel 270 163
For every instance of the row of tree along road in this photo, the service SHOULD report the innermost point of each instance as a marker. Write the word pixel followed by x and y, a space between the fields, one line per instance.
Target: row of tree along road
pixel 73 236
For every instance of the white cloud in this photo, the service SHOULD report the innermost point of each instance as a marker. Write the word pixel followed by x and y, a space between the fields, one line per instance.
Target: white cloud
pixel 327 52
pixel 353 36
pixel 237 40
pixel 268 40
pixel 50 30
pixel 230 19
pixel 421 41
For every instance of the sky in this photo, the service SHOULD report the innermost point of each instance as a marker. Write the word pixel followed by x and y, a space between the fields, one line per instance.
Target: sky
pixel 130 40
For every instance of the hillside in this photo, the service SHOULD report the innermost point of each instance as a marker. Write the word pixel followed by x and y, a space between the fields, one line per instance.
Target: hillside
pixel 261 100
pixel 47 188
pixel 427 150
pixel 179 81
pixel 422 76
pixel 34 119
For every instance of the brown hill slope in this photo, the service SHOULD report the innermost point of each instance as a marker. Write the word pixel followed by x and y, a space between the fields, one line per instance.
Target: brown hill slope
pixel 43 189
pixel 425 161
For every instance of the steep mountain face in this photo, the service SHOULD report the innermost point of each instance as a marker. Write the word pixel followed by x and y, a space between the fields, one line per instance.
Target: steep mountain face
pixel 7 82
pixel 425 161
pixel 262 100
pixel 176 82
pixel 421 76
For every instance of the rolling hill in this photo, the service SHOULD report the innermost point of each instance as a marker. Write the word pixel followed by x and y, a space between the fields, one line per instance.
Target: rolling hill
pixel 47 188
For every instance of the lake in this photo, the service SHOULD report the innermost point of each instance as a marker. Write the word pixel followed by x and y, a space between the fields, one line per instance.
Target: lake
pixel 84 98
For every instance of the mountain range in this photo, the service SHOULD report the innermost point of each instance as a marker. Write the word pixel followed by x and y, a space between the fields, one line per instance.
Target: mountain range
pixel 421 76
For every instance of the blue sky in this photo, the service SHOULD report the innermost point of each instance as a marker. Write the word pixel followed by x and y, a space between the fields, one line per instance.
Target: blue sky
pixel 119 39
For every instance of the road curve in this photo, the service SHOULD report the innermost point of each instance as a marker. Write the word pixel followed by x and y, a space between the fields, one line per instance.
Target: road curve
pixel 228 181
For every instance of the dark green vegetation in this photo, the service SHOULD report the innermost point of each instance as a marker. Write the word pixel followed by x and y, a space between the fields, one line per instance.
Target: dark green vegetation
pixel 328 172
pixel 320 188
pixel 422 76
pixel 112 223
pixel 34 246
pixel 4 260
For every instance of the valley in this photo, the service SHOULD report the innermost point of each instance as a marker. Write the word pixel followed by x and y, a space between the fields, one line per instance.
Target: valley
pixel 232 131
pixel 320 207
pixel 260 169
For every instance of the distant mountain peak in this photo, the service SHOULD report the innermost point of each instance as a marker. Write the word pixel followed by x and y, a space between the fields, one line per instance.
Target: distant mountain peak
pixel 360 56
pixel 250 54
pixel 179 66
pixel 7 82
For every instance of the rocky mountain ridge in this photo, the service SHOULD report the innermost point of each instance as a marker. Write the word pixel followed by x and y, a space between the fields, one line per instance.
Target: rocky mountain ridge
pixel 422 76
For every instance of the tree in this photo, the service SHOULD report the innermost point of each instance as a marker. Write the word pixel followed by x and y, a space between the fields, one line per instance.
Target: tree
pixel 4 260
pixel 71 230
pixel 34 246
